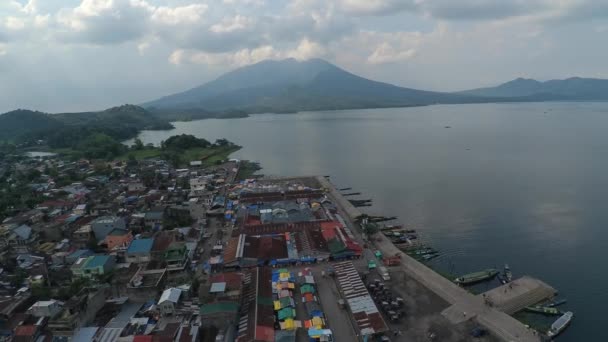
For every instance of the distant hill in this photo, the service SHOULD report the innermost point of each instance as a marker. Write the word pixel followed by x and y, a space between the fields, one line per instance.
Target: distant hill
pixel 575 88
pixel 15 123
pixel 118 122
pixel 290 85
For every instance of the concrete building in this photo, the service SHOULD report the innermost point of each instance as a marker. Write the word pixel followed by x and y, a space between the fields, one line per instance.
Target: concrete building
pixel 46 308
pixel 139 251
pixel 104 225
pixel 95 265
pixel 118 238
pixel 168 301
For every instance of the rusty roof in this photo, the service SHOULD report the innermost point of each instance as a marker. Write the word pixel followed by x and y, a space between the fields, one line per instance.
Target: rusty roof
pixel 366 314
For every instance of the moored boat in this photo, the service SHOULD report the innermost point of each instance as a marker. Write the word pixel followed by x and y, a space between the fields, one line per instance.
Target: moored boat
pixel 560 324
pixel 544 310
pixel 476 277
pixel 557 302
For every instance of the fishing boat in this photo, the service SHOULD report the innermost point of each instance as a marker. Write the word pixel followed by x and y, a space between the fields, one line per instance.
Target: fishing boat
pixel 544 310
pixel 508 274
pixel 476 277
pixel 560 324
pixel 428 257
pixel 557 302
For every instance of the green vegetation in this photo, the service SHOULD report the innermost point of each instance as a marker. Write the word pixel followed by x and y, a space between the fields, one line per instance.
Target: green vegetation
pixel 247 170
pixel 69 130
pixel 180 150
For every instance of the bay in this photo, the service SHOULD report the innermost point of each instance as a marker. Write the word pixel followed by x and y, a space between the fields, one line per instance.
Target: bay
pixel 488 184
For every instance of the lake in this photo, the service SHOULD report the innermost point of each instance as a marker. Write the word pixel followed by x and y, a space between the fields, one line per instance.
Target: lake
pixel 489 184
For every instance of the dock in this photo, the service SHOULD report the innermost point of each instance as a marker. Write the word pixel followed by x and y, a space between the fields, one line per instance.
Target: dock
pixel 517 295
pixel 464 305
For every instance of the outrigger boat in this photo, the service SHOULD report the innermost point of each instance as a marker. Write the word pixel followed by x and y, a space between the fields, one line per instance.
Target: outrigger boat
pixel 544 310
pixel 560 324
pixel 476 277
pixel 557 302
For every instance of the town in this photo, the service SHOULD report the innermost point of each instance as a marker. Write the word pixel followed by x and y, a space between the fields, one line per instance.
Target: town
pixel 144 250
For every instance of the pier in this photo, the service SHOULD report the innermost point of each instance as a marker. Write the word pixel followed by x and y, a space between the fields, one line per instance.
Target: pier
pixel 464 305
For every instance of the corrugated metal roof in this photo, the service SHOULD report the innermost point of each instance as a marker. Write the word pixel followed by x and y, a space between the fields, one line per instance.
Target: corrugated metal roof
pixel 171 295
pixel 366 314
pixel 140 246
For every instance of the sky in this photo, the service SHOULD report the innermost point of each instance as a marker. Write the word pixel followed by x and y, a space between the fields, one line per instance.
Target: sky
pixel 76 55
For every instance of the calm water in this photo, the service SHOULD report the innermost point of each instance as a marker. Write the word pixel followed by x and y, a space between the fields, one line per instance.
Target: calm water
pixel 523 184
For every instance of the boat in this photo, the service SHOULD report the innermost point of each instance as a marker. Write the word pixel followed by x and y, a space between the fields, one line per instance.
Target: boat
pixel 544 310
pixel 557 302
pixel 508 274
pixel 560 324
pixel 428 257
pixel 476 277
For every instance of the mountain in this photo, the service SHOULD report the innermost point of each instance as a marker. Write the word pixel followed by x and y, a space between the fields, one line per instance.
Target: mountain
pixel 290 85
pixel 17 122
pixel 119 122
pixel 575 88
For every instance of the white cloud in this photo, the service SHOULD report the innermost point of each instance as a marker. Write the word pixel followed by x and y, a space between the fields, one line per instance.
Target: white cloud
pixel 232 59
pixel 386 53
pixel 3 49
pixel 235 23
pixel 307 49
pixel 179 15
pixel 14 23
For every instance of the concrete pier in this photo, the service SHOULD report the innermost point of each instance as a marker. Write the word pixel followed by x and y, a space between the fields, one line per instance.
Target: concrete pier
pixel 465 306
pixel 519 294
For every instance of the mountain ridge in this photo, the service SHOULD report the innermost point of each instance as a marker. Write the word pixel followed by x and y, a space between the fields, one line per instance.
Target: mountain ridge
pixel 572 88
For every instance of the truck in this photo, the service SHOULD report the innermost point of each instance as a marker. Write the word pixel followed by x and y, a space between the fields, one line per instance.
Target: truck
pixel 383 271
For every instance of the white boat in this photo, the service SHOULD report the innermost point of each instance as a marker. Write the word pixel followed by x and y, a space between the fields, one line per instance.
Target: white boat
pixel 560 324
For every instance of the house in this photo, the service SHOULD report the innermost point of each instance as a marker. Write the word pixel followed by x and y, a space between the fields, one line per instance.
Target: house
pixel 80 209
pixel 154 217
pixel 27 333
pixel 46 308
pixel 176 256
pixel 139 250
pixel 104 225
pixel 145 284
pixel 118 238
pixel 136 187
pixel 78 311
pixel 95 265
pixel 16 237
pixel 82 236
pixel 168 301
pixel 77 254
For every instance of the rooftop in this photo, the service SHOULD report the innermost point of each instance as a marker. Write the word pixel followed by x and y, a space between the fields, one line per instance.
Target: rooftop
pixel 140 246
pixel 171 295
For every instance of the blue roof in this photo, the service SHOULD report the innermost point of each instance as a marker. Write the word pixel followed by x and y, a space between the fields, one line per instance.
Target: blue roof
pixel 80 252
pixel 97 260
pixel 140 246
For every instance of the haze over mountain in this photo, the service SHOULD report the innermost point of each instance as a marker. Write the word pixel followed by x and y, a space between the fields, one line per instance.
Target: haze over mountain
pixel 575 88
pixel 290 85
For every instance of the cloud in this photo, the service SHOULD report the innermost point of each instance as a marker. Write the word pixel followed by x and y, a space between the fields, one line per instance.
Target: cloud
pixel 233 59
pixel 386 53
pixel 236 23
pixel 179 15
pixel 376 7
pixel 14 23
pixel 3 49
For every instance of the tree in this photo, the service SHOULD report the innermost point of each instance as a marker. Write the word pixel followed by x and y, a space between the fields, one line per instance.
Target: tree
pixel 138 145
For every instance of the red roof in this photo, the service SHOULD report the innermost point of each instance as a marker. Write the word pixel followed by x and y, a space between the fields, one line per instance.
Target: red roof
pixel 142 338
pixel 234 281
pixel 26 330
pixel 328 233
